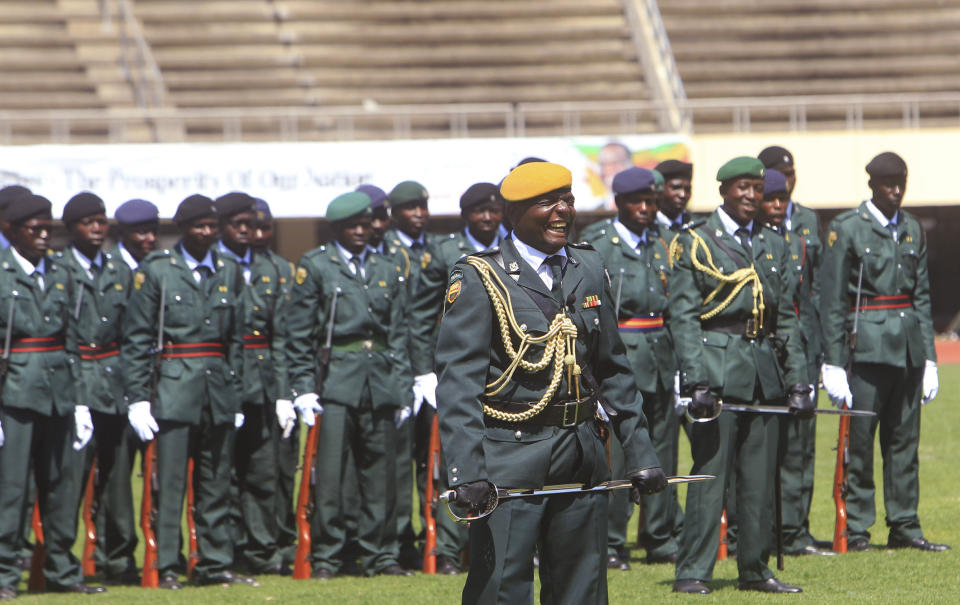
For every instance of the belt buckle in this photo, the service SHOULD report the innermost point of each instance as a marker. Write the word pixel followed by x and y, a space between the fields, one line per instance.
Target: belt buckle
pixel 367 345
pixel 751 330
pixel 575 405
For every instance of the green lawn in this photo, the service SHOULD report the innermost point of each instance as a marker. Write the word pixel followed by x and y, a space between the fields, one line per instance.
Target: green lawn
pixel 878 576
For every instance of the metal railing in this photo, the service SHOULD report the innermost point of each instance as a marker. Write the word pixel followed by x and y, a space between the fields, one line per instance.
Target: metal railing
pixel 799 113
pixel 139 66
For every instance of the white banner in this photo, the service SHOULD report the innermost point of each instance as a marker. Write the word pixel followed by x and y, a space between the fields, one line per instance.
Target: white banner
pixel 300 179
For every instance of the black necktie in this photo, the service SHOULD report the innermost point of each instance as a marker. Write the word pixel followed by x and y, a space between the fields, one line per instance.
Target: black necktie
pixel 357 265
pixel 38 279
pixel 892 228
pixel 555 263
pixel 204 272
pixel 744 236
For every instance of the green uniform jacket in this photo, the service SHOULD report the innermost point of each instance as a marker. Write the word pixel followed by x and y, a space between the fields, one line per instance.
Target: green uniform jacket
pixel 808 250
pixel 900 337
pixel 264 342
pixel 731 362
pixel 369 330
pixel 95 328
pixel 593 231
pixel 641 279
pixel 42 382
pixel 211 311
pixel 470 354
pixel 426 303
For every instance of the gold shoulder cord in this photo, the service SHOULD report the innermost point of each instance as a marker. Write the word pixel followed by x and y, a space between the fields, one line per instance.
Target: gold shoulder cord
pixel 559 350
pixel 739 279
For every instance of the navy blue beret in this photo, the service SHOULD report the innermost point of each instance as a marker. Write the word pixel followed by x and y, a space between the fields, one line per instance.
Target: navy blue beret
pixel 234 202
pixel 887 164
pixel 774 182
pixel 633 180
pixel 775 156
pixel 82 205
pixel 262 210
pixel 10 192
pixel 134 212
pixel 675 169
pixel 478 193
pixel 378 197
pixel 193 208
pixel 27 206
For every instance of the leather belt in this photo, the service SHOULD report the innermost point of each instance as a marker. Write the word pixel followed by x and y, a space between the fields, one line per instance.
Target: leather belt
pixel 878 303
pixel 641 323
pixel 257 340
pixel 43 344
pixel 737 327
pixel 193 349
pixel 558 413
pixel 94 351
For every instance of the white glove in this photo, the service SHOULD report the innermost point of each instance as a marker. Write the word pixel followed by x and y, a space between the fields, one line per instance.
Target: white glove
pixel 428 387
pixel 142 420
pixel 238 420
pixel 401 415
pixel 417 398
pixel 835 383
pixel 679 403
pixel 309 407
pixel 931 382
pixel 81 416
pixel 286 416
pixel 2 438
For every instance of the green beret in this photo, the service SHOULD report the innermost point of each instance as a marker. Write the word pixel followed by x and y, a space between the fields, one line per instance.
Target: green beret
pixel 658 183
pixel 348 205
pixel 408 192
pixel 742 166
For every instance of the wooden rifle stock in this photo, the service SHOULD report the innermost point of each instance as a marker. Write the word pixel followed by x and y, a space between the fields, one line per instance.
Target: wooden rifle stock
pixel 90 504
pixel 843 441
pixel 193 556
pixel 722 549
pixel 432 499
pixel 37 581
pixel 150 578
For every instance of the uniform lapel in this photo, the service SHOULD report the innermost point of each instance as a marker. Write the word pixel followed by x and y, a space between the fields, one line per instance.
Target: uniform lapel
pixel 529 279
pixel 732 245
pixel 178 260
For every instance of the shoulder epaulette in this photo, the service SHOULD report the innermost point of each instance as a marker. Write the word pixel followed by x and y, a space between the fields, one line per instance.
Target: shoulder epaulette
pixel 846 215
pixel 488 252
pixel 582 246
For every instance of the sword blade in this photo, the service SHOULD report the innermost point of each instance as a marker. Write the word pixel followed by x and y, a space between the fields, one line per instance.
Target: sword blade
pixel 776 409
pixel 579 488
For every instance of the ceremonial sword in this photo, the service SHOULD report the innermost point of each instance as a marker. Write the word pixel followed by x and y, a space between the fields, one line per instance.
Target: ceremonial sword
pixel 770 409
pixel 497 494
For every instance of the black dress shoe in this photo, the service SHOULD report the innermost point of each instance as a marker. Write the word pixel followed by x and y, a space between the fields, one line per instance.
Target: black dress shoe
pixel 824 544
pixel 7 593
pixel 691 587
pixel 78 588
pixel 615 562
pixel 810 549
pixel 128 578
pixel 170 582
pixel 394 570
pixel 769 585
pixel 227 577
pixel 657 559
pixel 917 543
pixel 447 566
pixel 858 544
pixel 322 574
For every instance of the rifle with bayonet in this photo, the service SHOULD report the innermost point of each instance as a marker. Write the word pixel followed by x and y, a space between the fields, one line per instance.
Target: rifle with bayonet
pixel 151 481
pixel 301 562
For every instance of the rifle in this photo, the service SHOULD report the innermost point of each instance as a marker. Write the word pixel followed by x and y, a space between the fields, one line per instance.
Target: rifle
pixel 151 482
pixel 840 478
pixel 430 510
pixel 90 506
pixel 193 555
pixel 301 562
pixel 722 551
pixel 37 581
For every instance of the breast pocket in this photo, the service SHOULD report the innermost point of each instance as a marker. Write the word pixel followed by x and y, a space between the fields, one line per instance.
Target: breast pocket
pixel 181 308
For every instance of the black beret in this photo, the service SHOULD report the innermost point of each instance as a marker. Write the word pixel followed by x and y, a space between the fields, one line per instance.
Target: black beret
pixel 479 193
pixel 262 209
pixel 234 202
pixel 10 192
pixel 887 164
pixel 378 197
pixel 675 169
pixel 27 206
pixel 135 212
pixel 194 207
pixel 775 156
pixel 82 205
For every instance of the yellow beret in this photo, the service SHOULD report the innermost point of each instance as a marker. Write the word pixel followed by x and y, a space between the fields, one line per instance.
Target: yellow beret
pixel 527 181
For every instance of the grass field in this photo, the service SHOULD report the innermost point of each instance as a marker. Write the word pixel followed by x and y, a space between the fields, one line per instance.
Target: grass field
pixel 878 576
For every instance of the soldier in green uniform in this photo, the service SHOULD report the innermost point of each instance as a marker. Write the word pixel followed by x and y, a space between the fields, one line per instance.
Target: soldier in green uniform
pixel 481 209
pixel 41 420
pixel 592 232
pixel 731 296
pixel 415 249
pixel 138 222
pixel 7 194
pixel 672 214
pixel 267 409
pixel 798 434
pixel 101 284
pixel 637 259
pixel 893 366
pixel 367 382
pixel 195 410
pixel 528 347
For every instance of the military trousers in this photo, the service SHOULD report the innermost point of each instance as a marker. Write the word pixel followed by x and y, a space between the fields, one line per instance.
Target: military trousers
pixel 370 434
pixel 46 443
pixel 256 463
pixel 288 458
pixel 796 480
pixel 894 394
pixel 744 446
pixel 408 551
pixel 662 515
pixel 211 447
pixel 115 446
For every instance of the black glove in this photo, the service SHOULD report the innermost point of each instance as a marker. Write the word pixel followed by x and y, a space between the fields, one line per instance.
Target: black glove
pixel 799 401
pixel 473 496
pixel 703 403
pixel 646 482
